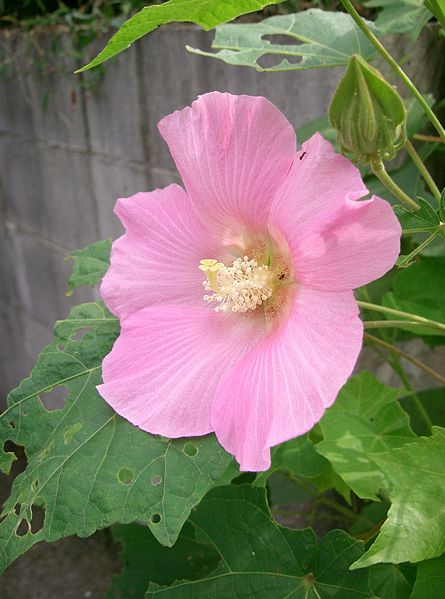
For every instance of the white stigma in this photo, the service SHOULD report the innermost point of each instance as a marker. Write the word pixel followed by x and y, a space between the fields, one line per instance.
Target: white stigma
pixel 237 288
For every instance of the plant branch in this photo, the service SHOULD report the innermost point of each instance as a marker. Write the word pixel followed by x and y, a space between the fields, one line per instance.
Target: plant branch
pixel 395 67
pixel 380 172
pixel 393 348
pixel 429 138
pixel 406 260
pixel 387 324
pixel 406 315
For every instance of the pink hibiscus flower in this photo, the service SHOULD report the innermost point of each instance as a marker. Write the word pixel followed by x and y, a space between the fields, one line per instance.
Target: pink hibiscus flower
pixel 235 296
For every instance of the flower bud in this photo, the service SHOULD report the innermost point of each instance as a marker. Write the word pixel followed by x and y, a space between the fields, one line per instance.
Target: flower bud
pixel 368 114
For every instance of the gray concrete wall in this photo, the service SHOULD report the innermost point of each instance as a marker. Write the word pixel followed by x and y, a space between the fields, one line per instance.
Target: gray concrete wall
pixel 70 146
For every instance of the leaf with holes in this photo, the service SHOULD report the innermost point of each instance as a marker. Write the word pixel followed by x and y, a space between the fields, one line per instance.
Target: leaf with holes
pixel 145 561
pixel 87 467
pixel 206 13
pixel 90 264
pixel 262 559
pixel 366 419
pixel 313 39
pixel 415 528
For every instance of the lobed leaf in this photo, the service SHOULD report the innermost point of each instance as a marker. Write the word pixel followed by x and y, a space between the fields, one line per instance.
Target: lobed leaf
pixel 206 13
pixel 90 264
pixel 261 559
pixel 366 419
pixel 414 530
pixel 314 39
pixel 88 467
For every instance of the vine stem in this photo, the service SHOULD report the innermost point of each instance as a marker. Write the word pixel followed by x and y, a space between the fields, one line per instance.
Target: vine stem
pixel 390 324
pixel 404 260
pixel 406 315
pixel 393 348
pixel 395 67
pixel 422 169
pixel 380 172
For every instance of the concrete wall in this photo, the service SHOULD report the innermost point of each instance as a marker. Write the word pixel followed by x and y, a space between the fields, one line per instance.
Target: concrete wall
pixel 70 146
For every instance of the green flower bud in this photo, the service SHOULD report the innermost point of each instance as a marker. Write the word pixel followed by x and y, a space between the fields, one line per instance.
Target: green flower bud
pixel 368 114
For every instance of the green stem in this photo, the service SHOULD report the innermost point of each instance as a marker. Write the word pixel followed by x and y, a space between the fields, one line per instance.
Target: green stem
pixel 406 259
pixel 406 315
pixel 380 172
pixel 422 169
pixel 435 375
pixel 387 324
pixel 395 67
pixel 341 509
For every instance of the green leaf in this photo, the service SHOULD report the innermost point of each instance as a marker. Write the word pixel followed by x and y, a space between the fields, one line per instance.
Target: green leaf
pixel 297 457
pixel 389 582
pixel 437 7
pixel 263 560
pixel 400 16
pixel 433 400
pixel 430 582
pixel 90 264
pixel 365 419
pixel 324 39
pixel 419 290
pixel 87 467
pixel 206 13
pixel 414 530
pixel 145 561
pixel 424 220
pixel 82 319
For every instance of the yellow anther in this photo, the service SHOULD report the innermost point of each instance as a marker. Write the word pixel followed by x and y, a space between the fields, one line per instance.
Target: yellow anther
pixel 211 267
pixel 237 288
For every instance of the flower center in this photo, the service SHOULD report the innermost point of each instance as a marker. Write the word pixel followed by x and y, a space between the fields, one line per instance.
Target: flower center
pixel 238 288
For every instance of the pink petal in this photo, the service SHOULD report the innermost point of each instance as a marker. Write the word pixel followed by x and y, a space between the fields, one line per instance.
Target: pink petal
pixel 163 370
pixel 281 388
pixel 157 259
pixel 358 245
pixel 233 153
pixel 319 183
